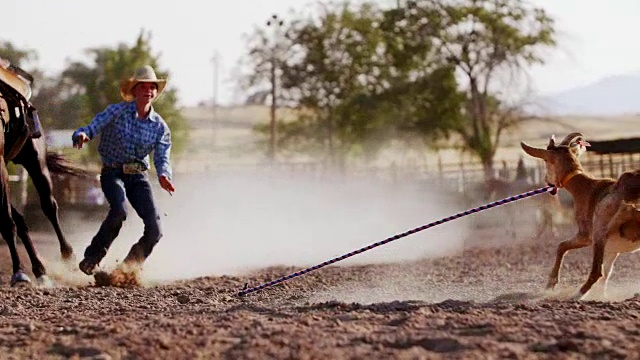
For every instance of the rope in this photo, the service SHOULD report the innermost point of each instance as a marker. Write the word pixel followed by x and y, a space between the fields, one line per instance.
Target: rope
pixel 246 290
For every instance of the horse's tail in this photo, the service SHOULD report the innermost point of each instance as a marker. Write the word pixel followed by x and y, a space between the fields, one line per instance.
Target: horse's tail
pixel 58 164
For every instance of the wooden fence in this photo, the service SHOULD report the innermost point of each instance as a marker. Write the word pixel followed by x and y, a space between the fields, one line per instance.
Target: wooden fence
pixel 458 177
pixel 19 184
pixel 464 175
pixel 461 176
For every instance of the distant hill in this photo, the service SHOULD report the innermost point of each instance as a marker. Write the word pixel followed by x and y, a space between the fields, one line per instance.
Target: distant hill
pixel 611 96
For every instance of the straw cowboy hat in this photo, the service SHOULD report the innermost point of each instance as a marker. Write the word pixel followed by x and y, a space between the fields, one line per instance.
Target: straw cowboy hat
pixel 143 74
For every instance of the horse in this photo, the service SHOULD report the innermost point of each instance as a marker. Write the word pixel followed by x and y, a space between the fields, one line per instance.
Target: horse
pixel 40 164
pixel 21 145
pixel 13 135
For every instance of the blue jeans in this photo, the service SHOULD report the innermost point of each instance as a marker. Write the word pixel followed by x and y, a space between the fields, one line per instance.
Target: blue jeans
pixel 115 185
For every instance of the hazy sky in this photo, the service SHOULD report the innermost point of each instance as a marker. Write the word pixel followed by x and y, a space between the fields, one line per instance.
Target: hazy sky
pixel 596 40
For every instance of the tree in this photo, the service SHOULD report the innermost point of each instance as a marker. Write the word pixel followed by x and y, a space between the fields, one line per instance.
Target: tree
pixel 361 77
pixel 335 68
pixel 60 104
pixel 267 54
pixel 17 57
pixel 484 40
pixel 98 83
pixel 329 68
pixel 420 91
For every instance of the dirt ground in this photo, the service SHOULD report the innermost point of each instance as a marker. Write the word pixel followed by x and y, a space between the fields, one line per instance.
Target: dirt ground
pixel 483 303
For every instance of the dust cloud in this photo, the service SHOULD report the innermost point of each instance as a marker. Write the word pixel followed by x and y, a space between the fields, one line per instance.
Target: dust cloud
pixel 230 223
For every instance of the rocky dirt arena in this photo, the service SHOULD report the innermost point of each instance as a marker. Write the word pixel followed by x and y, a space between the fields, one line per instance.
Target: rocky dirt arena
pixel 481 299
pixel 484 303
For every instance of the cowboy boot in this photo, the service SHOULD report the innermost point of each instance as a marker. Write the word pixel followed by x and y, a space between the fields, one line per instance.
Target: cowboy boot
pixel 135 257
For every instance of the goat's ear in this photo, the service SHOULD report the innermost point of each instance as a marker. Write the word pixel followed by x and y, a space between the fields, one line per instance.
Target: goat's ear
pixel 552 142
pixel 535 152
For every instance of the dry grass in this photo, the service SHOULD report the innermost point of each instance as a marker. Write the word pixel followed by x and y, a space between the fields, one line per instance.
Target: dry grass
pixel 230 141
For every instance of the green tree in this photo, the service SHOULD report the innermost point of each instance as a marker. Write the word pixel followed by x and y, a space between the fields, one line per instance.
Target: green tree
pixel 337 56
pixel 99 83
pixel 362 77
pixel 486 40
pixel 17 57
pixel 269 48
pixel 60 105
pixel 329 66
pixel 420 91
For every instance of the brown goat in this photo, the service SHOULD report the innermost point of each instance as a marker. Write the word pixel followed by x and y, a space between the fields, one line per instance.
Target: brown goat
pixel 606 211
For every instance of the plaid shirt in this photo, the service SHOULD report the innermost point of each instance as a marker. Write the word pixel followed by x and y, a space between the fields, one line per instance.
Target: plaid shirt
pixel 125 138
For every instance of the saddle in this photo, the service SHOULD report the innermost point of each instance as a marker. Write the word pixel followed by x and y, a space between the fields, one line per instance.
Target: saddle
pixel 16 111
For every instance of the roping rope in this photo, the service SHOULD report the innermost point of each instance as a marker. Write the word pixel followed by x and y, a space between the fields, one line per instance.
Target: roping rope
pixel 541 190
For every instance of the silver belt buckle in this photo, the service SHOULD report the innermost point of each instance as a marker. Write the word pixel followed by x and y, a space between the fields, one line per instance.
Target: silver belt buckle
pixel 133 168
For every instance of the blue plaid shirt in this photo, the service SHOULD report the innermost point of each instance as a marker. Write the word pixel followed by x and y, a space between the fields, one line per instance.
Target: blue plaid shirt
pixel 125 138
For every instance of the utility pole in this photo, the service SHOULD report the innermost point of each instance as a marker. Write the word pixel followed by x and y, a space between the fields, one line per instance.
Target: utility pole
pixel 276 24
pixel 215 60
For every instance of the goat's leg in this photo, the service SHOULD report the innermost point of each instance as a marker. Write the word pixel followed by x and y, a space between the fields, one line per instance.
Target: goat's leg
pixel 607 268
pixel 580 240
pixel 603 258
pixel 596 267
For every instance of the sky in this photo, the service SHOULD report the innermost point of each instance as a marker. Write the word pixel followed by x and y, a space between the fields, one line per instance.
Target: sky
pixel 188 33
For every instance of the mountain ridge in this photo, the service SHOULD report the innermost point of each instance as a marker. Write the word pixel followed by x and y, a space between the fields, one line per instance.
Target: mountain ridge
pixel 613 95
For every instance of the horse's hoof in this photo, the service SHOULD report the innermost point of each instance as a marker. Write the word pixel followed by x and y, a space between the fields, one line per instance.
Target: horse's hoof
pixel 44 282
pixel 20 278
pixel 87 266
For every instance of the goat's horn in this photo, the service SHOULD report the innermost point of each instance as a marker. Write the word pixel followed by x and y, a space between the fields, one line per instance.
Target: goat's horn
pixel 569 139
pixel 535 152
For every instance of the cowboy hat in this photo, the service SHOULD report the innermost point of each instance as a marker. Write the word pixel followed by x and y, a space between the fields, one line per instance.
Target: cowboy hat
pixel 143 74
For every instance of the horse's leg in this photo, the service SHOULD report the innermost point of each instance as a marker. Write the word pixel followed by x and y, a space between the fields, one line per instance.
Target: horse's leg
pixel 8 227
pixel 35 163
pixel 23 233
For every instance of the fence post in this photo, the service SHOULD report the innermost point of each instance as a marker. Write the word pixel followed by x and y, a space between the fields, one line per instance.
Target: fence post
pixel 610 165
pixel 463 179
pixel 24 176
pixel 440 171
